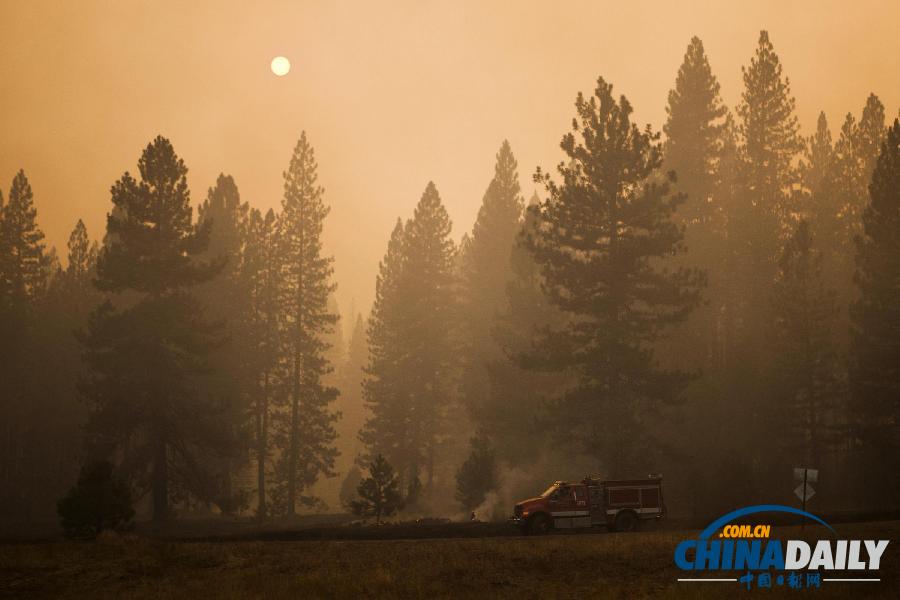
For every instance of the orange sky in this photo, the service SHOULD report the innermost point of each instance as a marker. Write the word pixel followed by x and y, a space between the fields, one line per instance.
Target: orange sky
pixel 392 94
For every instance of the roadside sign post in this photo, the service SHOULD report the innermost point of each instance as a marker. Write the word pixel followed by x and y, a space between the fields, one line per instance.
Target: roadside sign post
pixel 804 491
pixel 803 521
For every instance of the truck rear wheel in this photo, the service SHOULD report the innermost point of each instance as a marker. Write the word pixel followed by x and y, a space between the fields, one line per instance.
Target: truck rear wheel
pixel 539 524
pixel 626 521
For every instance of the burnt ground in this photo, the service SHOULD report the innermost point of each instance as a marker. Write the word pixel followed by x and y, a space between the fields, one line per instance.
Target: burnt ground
pixel 466 560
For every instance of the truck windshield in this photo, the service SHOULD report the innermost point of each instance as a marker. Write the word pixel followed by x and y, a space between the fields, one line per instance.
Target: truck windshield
pixel 550 490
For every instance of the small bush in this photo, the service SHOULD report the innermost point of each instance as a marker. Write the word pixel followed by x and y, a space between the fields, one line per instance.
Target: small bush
pixel 379 494
pixel 99 500
pixel 478 475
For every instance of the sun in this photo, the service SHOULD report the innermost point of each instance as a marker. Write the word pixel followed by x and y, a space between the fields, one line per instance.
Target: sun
pixel 281 66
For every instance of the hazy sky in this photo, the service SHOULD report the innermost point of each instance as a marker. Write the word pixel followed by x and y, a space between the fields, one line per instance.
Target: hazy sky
pixel 392 94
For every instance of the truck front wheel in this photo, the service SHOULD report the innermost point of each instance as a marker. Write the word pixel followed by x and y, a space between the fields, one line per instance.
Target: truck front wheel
pixel 626 521
pixel 539 524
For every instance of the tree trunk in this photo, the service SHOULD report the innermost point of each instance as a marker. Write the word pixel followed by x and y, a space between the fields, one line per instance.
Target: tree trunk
pixel 160 481
pixel 430 466
pixel 295 401
pixel 292 456
pixel 615 305
pixel 262 438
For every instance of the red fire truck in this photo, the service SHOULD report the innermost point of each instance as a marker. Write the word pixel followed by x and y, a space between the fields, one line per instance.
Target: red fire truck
pixel 618 505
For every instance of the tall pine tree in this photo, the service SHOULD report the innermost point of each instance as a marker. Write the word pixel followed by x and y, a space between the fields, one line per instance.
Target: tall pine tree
pixel 263 370
pixel 385 386
pixel 513 418
pixel 875 378
pixel 770 140
pixel 23 260
pixel 870 134
pixel 146 352
pixel 306 429
pixel 23 275
pixel 692 149
pixel 485 275
pixel 432 367
pixel 411 376
pixel 763 216
pixel 57 417
pixel 856 152
pixel 817 175
pixel 840 211
pixel 693 137
pixel 601 242
pixel 808 379
pixel 224 301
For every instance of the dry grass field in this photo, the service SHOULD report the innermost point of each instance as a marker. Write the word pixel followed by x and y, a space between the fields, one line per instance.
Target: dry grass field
pixel 598 565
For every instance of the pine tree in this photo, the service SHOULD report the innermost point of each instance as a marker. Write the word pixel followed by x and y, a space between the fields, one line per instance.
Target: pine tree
pixel 146 354
pixel 820 186
pixel 263 372
pixel 847 174
pixel 485 274
pixel 57 417
pixel 849 198
pixel 307 430
pixel 601 237
pixel 99 500
pixel 875 382
pixel 808 376
pixel 770 140
pixel 764 211
pixel 498 223
pixel 693 137
pixel 385 387
pixel 24 267
pixel 870 135
pixel 692 150
pixel 514 419
pixel 379 493
pixel 23 261
pixel 432 361
pixel 855 155
pixel 712 409
pixel 82 254
pixel 411 375
pixel 817 172
pixel 477 476
pixel 225 301
pixel 72 295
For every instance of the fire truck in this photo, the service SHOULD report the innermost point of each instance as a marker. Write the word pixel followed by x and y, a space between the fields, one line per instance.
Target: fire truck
pixel 618 505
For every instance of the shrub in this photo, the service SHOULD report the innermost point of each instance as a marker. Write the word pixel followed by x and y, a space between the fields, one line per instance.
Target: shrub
pixel 379 494
pixel 99 500
pixel 478 475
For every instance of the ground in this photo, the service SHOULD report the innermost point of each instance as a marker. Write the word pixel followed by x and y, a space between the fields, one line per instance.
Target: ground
pixel 586 565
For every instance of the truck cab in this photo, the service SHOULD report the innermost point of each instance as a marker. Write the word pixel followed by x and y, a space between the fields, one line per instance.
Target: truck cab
pixel 617 505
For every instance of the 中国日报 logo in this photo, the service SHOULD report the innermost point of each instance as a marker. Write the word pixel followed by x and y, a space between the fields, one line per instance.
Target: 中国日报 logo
pixel 747 555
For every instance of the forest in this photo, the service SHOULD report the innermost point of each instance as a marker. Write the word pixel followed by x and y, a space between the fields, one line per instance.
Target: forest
pixel 718 301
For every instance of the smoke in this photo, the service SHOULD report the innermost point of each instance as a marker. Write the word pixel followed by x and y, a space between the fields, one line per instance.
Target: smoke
pixel 516 483
pixel 527 481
